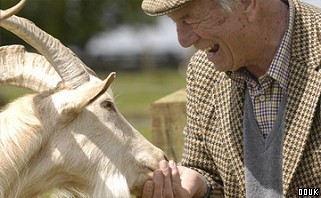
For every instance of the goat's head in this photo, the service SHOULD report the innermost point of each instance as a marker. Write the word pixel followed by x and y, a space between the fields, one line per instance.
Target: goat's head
pixel 86 144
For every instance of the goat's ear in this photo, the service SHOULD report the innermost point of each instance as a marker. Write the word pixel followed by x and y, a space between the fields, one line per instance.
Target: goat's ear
pixel 84 95
pixel 104 86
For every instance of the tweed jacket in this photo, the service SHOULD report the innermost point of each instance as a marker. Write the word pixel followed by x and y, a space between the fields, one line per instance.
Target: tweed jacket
pixel 213 137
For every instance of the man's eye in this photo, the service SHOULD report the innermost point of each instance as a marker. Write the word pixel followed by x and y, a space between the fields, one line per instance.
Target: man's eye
pixel 193 24
pixel 190 21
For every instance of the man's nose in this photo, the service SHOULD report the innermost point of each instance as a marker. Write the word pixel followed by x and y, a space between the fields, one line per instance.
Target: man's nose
pixel 186 35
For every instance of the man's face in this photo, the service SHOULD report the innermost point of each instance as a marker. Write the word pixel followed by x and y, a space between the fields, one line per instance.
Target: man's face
pixel 223 35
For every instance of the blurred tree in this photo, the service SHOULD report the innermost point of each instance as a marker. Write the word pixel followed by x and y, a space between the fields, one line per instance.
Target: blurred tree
pixel 73 22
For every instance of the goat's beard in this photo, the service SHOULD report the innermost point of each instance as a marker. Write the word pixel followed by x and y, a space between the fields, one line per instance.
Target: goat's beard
pixel 113 185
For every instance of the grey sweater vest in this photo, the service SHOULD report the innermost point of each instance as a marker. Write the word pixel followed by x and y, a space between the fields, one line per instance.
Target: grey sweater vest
pixel 263 156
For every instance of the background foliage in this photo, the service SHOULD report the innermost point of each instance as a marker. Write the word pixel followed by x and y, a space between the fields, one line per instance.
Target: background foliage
pixel 75 21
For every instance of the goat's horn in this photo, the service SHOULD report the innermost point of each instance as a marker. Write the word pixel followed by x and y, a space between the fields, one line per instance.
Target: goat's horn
pixel 67 64
pixel 23 69
pixel 13 10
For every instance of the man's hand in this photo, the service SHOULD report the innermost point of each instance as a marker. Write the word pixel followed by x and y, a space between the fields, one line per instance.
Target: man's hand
pixel 174 181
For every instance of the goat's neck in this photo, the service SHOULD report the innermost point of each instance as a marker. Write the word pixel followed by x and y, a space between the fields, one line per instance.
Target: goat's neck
pixel 43 176
pixel 22 136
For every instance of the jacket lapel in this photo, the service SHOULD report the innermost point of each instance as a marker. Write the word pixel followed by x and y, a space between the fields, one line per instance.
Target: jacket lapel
pixel 304 93
pixel 228 97
pixel 220 110
pixel 304 89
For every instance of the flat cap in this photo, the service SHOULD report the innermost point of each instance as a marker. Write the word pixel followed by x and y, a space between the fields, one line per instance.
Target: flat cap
pixel 162 7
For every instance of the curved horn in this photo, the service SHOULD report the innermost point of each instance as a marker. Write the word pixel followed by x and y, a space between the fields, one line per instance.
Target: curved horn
pixel 29 70
pixel 13 10
pixel 71 69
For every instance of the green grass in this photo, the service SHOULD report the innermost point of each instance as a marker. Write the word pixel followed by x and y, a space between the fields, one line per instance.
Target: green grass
pixel 134 93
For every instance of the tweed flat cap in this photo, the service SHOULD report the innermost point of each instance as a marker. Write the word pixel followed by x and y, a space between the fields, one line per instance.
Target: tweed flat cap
pixel 162 7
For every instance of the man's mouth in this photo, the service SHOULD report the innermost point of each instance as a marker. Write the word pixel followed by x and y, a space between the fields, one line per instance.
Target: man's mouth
pixel 210 51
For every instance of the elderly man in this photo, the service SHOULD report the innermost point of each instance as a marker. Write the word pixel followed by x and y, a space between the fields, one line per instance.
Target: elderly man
pixel 253 99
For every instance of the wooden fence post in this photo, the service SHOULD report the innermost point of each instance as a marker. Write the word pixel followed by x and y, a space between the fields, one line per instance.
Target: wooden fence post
pixel 168 121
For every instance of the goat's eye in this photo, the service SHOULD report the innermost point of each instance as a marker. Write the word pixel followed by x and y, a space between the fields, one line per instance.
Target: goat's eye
pixel 107 105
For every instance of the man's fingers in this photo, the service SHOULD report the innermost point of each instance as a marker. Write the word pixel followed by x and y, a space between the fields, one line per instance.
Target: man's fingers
pixel 158 180
pixel 148 189
pixel 176 181
pixel 168 190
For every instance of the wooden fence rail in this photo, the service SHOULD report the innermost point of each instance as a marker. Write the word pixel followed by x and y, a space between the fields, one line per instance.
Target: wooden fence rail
pixel 168 120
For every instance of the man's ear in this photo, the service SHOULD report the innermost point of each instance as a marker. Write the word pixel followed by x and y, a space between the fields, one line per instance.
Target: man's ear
pixel 251 9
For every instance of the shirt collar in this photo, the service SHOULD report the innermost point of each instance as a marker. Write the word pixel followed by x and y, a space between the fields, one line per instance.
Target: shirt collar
pixel 280 64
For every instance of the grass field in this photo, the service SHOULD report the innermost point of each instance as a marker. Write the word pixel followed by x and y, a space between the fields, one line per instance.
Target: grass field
pixel 134 93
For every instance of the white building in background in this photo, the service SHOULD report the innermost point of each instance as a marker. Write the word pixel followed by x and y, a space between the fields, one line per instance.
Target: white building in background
pixel 151 45
pixel 130 46
pixel 132 40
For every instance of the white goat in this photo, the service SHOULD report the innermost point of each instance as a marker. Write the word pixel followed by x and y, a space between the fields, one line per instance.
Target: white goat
pixel 69 138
